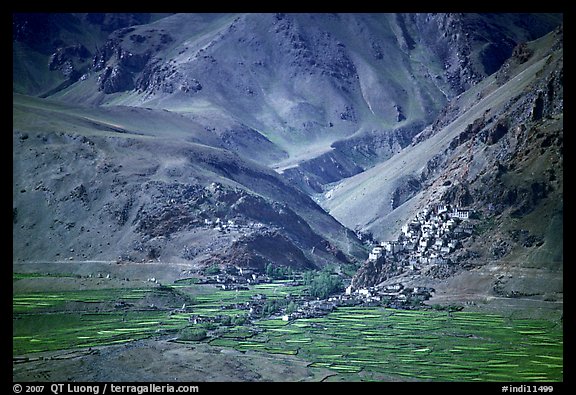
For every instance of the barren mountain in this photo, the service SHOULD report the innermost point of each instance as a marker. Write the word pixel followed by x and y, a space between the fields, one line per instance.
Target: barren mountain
pixel 108 185
pixel 319 97
pixel 202 138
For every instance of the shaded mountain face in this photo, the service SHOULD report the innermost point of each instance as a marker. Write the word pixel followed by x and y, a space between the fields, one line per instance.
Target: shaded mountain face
pixel 200 138
pixel 51 51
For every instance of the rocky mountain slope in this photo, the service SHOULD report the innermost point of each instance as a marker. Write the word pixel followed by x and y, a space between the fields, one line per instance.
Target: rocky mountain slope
pixel 453 157
pixel 497 149
pixel 319 97
pixel 199 138
pixel 100 185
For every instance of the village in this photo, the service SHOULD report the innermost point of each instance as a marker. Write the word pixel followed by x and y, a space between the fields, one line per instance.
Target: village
pixel 300 305
pixel 224 226
pixel 428 240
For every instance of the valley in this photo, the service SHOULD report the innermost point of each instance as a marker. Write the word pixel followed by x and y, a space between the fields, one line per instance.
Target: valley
pixel 288 197
pixel 89 322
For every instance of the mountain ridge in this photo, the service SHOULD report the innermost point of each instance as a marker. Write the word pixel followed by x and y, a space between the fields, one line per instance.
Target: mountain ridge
pixel 378 73
pixel 272 110
pixel 502 157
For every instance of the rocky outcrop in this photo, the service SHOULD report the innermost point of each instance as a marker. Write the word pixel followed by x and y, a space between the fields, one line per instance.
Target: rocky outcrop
pixel 261 249
pixel 473 46
pixel 126 55
pixel 496 132
pixel 408 187
pixel 115 79
pixel 458 195
pixel 67 41
pixel 373 273
pixel 311 175
pixel 71 61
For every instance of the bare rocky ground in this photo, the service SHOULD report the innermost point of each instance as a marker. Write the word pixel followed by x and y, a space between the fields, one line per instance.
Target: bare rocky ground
pixel 476 291
pixel 165 361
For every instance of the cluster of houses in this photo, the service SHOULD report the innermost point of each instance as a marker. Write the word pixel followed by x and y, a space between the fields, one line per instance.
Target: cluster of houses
pixel 223 226
pixel 429 238
pixel 394 296
pixel 235 278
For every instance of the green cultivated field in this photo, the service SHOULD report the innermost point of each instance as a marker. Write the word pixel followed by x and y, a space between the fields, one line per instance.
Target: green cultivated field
pixel 357 343
pixel 40 322
pixel 423 345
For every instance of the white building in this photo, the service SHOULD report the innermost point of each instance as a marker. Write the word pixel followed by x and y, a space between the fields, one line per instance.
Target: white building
pixel 439 243
pixel 450 224
pixel 409 246
pixel 405 230
pixel 460 213
pixel 375 254
pixel 394 287
pixel 392 247
pixel 442 208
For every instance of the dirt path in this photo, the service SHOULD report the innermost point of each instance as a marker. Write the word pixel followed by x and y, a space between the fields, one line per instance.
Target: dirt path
pixel 162 271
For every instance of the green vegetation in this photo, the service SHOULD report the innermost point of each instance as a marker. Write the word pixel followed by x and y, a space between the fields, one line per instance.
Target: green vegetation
pixel 278 272
pixel 64 330
pixel 419 344
pixel 323 284
pixel 192 334
pixel 20 276
pixel 449 308
pixel 446 344
pixel 186 281
pixel 212 270
pixel 240 319
pixel 36 302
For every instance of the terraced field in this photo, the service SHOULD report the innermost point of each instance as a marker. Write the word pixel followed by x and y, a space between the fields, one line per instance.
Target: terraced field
pixel 42 321
pixel 356 343
pixel 417 344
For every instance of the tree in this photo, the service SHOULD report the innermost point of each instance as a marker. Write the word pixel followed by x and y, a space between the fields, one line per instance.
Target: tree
pixel 240 319
pixel 323 284
pixel 270 270
pixel 277 272
pixel 212 270
pixel 226 320
pixel 192 334
pixel 291 307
